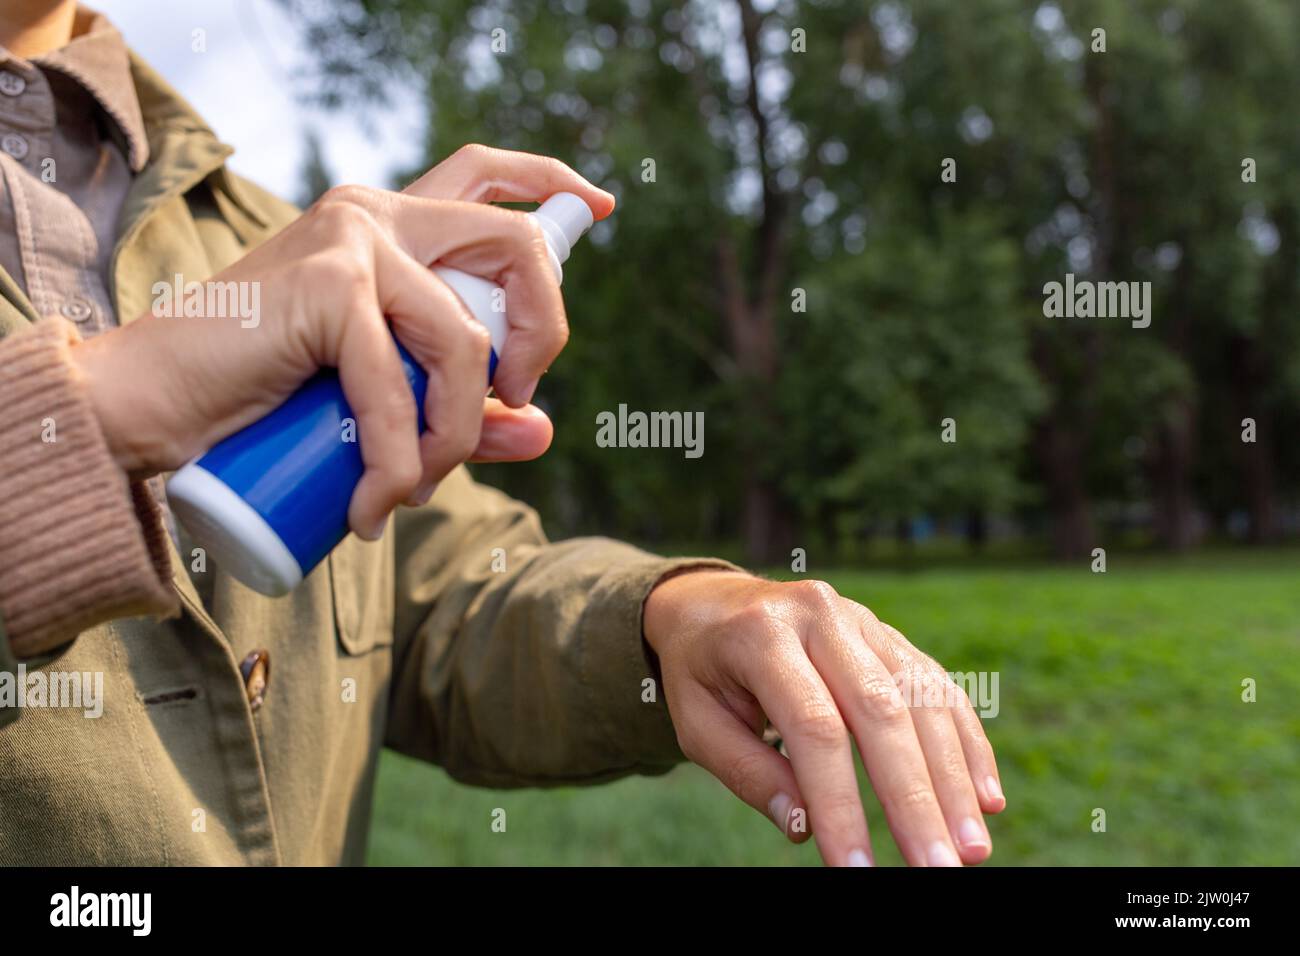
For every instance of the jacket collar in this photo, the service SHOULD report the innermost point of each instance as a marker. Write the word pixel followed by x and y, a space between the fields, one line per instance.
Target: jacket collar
pixel 98 60
pixel 184 147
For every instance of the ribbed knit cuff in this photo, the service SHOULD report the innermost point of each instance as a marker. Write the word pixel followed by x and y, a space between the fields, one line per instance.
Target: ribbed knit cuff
pixel 79 543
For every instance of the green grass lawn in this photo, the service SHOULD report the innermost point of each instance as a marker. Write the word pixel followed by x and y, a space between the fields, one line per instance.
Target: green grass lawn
pixel 1120 691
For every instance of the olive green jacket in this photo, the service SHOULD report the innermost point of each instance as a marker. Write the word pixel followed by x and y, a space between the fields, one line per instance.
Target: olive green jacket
pixel 514 667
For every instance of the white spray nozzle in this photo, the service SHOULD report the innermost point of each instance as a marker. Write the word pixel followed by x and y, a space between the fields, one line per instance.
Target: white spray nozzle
pixel 564 217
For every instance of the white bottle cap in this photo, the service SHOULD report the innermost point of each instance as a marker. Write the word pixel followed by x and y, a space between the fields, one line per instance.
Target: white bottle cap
pixel 564 218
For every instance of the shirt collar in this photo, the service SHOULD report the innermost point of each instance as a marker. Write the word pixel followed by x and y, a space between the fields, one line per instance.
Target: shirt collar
pixel 97 59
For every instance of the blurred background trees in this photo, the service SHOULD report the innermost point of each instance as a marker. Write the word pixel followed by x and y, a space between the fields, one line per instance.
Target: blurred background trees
pixel 788 257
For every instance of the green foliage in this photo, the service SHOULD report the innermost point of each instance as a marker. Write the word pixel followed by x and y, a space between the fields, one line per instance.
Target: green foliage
pixel 820 170
pixel 929 328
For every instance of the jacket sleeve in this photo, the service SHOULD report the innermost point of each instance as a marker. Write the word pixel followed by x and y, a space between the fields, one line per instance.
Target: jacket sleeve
pixel 521 662
pixel 79 543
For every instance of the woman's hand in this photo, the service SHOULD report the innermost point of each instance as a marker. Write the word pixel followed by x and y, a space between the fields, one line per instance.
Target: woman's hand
pixel 737 651
pixel 329 286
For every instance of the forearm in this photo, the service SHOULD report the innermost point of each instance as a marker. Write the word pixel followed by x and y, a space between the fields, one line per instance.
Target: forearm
pixel 521 662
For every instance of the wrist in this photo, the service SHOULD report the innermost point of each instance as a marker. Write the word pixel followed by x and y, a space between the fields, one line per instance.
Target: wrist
pixel 110 386
pixel 676 600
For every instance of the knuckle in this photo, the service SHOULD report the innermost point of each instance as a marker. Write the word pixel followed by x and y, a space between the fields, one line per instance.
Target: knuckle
pixel 396 410
pixel 919 683
pixel 753 617
pixel 898 640
pixel 756 632
pixel 951 765
pixel 346 275
pixel 922 671
pixel 472 153
pixel 954 695
pixel 882 702
pixel 840 805
pixel 816 594
pixel 348 194
pixel 821 726
pixel 405 474
pixel 478 340
pixel 899 654
pixel 756 623
pixel 558 331
pixel 334 274
pixel 341 222
pixel 927 662
pixel 917 795
pixel 556 169
pixel 745 776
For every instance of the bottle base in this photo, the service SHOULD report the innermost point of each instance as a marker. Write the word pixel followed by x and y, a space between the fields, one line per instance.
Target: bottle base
pixel 235 536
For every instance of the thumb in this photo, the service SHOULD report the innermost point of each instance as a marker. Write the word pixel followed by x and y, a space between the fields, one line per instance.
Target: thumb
pixel 512 434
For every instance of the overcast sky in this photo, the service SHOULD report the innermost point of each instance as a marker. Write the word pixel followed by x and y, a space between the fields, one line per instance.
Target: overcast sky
pixel 241 85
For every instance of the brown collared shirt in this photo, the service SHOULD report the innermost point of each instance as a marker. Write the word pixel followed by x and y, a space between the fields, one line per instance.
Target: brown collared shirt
pixel 71 139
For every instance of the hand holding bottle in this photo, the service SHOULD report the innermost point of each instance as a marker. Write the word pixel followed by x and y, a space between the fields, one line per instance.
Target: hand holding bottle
pixel 331 284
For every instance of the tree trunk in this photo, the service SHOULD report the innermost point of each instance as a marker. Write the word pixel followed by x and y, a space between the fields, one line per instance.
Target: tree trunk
pixel 1061 457
pixel 1261 495
pixel 1258 471
pixel 1175 507
pixel 751 292
pixel 768 531
pixel 1252 365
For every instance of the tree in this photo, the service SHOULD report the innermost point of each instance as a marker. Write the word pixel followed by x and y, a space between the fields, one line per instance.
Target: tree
pixel 835 227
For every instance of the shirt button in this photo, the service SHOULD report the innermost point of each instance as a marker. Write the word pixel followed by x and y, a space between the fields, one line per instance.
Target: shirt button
pixel 256 669
pixel 14 145
pixel 11 84
pixel 78 310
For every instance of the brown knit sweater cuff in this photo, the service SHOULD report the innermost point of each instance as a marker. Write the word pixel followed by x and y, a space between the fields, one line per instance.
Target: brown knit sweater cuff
pixel 79 543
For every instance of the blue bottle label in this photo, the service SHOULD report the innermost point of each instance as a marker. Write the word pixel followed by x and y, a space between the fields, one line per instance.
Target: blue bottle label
pixel 298 466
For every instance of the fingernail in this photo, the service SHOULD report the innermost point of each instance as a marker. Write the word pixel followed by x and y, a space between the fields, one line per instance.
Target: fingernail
pixel 941 855
pixel 991 785
pixel 421 495
pixel 529 390
pixel 376 532
pixel 859 858
pixel 779 809
pixel 970 833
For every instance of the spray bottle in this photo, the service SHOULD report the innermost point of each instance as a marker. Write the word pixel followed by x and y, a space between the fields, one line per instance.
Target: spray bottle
pixel 269 502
